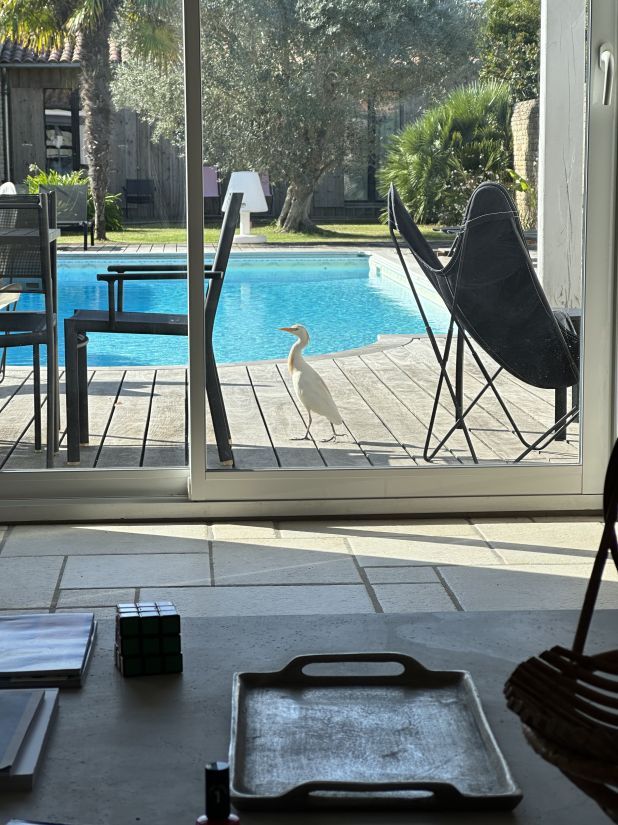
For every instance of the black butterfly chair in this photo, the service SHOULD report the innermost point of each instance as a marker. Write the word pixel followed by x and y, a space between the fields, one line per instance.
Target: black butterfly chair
pixel 497 303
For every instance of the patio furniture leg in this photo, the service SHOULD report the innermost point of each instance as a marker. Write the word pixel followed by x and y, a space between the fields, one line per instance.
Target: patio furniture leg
pixel 36 377
pixel 459 380
pixel 85 230
pixel 560 404
pixel 72 392
pixel 91 233
pixel 52 377
pixel 82 377
pixel 217 410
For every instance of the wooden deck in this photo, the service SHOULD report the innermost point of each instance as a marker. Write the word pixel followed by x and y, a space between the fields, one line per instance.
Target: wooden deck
pixel 138 416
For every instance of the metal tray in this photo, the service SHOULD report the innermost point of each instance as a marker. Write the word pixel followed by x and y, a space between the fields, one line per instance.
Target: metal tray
pixel 417 738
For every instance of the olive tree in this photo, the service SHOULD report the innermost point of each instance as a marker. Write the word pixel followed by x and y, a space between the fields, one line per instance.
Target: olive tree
pixel 283 81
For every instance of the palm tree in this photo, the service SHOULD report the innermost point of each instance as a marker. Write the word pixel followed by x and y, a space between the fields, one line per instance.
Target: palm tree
pixel 45 24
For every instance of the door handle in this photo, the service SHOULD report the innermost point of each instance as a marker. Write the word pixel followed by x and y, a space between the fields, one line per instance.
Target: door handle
pixel 606 64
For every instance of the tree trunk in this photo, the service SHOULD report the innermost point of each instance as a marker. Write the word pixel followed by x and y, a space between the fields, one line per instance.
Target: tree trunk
pixel 96 101
pixel 298 201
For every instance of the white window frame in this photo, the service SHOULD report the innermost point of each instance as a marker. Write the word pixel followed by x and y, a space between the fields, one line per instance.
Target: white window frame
pixel 75 494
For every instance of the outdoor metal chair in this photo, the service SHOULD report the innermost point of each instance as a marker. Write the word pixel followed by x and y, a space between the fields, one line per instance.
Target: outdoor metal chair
pixel 72 209
pixel 26 267
pixel 116 320
pixel 138 192
pixel 496 303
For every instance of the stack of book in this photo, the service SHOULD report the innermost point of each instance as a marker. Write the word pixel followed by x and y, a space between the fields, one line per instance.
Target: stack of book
pixel 45 649
pixel 25 720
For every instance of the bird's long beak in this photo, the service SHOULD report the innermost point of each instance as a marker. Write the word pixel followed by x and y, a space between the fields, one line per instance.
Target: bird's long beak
pixel 286 329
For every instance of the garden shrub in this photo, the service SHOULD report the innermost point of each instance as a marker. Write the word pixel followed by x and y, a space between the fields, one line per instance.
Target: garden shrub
pixel 40 177
pixel 438 160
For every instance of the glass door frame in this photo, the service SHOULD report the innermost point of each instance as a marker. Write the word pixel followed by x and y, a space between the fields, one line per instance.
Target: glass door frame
pixel 75 494
pixel 445 489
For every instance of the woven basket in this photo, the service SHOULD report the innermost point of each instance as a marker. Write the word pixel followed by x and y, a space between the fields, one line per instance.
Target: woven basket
pixel 568 701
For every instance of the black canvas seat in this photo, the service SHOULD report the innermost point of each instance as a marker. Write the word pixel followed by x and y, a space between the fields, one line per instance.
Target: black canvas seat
pixel 496 303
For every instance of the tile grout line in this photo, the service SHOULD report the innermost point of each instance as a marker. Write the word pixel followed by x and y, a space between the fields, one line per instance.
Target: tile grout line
pixel 490 546
pixel 364 578
pixel 211 562
pixel 56 594
pixel 449 591
pixel 5 537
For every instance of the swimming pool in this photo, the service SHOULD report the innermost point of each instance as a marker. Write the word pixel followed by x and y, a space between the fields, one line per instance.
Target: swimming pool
pixel 342 301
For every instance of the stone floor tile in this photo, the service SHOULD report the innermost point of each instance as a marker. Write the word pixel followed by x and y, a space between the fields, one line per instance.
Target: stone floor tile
pixel 244 530
pixel 265 601
pixel 397 574
pixel 92 539
pixel 423 543
pixel 413 598
pixel 121 571
pixel 543 542
pixel 283 561
pixel 368 528
pixel 528 587
pixel 27 583
pixel 95 597
pixel 99 613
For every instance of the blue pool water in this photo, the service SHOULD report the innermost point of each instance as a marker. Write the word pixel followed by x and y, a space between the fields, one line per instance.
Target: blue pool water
pixel 334 296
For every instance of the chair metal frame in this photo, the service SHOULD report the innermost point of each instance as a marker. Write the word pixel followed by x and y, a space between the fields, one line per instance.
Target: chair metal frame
pixel 456 330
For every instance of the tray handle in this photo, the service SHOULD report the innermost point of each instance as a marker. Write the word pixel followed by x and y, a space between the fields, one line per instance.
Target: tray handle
pixel 444 794
pixel 296 667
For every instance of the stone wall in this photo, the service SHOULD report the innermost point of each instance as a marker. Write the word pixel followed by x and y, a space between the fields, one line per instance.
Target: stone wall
pixel 525 130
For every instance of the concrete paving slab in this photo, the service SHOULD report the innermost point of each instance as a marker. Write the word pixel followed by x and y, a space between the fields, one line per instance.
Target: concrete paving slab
pixel 554 541
pixel 283 561
pixel 368 528
pixel 244 530
pixel 95 597
pixel 423 547
pixel 92 539
pixel 413 598
pixel 265 601
pixel 528 587
pixel 126 571
pixel 99 613
pixel 397 574
pixel 27 585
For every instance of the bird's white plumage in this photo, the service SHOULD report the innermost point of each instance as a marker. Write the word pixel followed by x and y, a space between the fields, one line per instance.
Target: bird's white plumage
pixel 309 385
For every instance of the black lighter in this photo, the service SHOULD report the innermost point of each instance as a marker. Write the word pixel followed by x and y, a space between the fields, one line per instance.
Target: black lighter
pixel 217 796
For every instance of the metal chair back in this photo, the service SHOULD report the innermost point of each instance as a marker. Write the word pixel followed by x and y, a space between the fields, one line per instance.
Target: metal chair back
pixel 71 203
pixel 25 261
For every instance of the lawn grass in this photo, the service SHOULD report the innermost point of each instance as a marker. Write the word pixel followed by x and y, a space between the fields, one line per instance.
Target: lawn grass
pixel 348 233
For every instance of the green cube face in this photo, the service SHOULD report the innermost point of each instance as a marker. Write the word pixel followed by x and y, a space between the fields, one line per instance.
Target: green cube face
pixel 131 666
pixel 173 663
pixel 151 645
pixel 152 665
pixel 170 644
pixel 130 646
pixel 127 625
pixel 170 623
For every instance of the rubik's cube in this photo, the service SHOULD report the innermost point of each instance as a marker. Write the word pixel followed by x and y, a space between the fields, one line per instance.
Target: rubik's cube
pixel 147 639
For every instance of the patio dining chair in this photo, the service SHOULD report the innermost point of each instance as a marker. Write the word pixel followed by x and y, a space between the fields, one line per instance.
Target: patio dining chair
pixel 497 306
pixel 72 209
pixel 116 320
pixel 26 267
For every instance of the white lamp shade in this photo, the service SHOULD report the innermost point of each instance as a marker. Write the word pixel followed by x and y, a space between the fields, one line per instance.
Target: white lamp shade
pixel 250 185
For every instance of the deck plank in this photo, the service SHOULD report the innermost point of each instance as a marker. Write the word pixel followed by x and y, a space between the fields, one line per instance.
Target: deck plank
pixel 103 386
pixel 251 443
pixel 124 441
pixel 282 418
pixel 17 414
pixel 374 438
pixel 166 436
pixel 343 451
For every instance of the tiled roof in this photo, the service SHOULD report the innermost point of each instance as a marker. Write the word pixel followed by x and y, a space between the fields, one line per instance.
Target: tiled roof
pixel 14 54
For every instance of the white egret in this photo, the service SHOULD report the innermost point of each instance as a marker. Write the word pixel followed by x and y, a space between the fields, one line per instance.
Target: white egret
pixel 309 386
